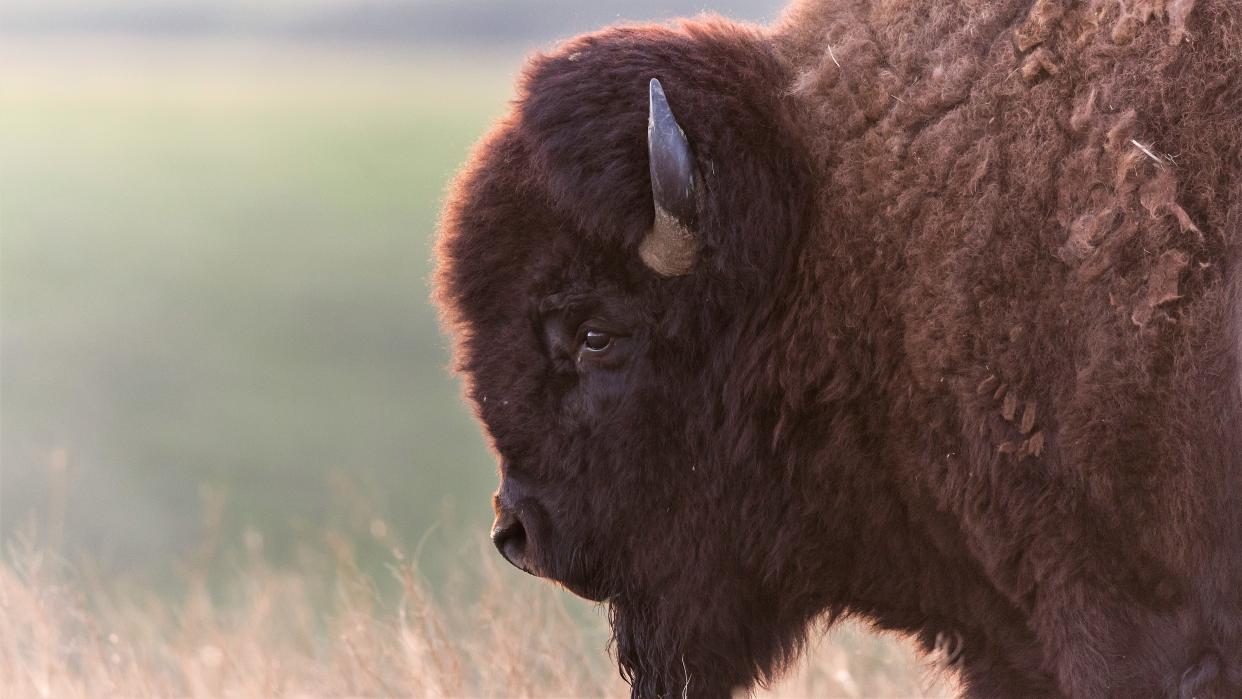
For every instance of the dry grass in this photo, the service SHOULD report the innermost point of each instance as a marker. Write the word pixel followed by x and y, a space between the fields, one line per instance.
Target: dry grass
pixel 282 633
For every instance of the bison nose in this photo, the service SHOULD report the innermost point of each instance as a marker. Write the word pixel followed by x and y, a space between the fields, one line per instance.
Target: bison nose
pixel 509 536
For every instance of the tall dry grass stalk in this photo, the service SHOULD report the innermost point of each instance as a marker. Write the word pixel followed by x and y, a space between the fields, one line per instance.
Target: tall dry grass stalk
pixel 272 634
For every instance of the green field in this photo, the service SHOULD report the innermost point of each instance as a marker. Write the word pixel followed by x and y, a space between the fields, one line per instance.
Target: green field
pixel 214 288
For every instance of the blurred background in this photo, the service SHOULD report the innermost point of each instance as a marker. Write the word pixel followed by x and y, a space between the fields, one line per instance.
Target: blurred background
pixel 216 223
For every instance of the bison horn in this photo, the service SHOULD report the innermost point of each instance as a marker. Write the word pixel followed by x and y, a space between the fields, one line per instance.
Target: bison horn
pixel 670 248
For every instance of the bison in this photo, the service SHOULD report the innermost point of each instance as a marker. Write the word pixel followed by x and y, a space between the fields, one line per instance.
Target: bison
pixel 928 314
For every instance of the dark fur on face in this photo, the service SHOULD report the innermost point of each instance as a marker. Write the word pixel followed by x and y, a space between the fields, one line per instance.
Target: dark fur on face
pixel 634 454
pixel 954 355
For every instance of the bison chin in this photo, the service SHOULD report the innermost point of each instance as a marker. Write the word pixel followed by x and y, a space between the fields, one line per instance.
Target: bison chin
pixel 672 644
pixel 577 577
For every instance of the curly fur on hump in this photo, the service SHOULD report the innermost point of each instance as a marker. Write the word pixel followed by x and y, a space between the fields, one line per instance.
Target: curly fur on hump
pixel 959 356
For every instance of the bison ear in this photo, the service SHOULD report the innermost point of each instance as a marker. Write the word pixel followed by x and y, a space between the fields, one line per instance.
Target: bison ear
pixel 670 248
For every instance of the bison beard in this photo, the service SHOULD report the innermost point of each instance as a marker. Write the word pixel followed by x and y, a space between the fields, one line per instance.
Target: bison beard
pixel 926 314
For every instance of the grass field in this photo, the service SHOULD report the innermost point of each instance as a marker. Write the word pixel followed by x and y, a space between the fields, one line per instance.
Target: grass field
pixel 265 635
pixel 217 347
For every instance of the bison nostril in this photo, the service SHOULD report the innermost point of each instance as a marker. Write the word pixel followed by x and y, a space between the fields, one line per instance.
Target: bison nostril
pixel 509 536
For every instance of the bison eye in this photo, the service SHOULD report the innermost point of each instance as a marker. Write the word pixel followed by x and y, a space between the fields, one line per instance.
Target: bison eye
pixel 596 341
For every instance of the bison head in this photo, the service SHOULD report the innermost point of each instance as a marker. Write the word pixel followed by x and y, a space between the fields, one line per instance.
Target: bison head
pixel 616 265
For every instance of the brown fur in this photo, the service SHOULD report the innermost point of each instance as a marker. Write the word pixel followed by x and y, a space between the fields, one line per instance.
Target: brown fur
pixel 959 356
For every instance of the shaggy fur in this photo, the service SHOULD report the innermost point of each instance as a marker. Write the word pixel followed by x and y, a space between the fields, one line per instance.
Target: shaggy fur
pixel 959 354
